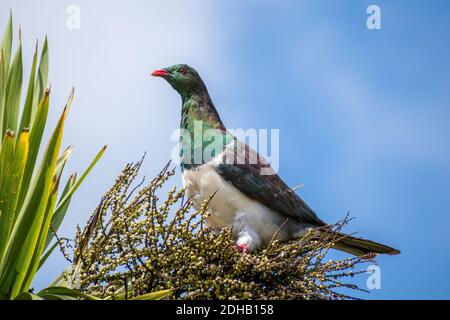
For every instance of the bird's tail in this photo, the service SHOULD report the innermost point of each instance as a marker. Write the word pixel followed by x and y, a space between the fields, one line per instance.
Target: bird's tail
pixel 358 246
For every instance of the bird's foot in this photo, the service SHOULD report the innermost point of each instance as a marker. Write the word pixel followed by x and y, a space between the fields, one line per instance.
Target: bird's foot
pixel 247 240
pixel 242 247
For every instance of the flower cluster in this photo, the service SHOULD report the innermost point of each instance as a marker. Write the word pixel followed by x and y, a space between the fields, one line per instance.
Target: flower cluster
pixel 133 245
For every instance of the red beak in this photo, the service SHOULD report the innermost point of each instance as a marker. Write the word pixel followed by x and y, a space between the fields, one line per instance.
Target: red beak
pixel 160 73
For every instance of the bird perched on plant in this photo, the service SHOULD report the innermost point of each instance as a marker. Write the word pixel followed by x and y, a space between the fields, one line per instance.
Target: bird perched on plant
pixel 248 195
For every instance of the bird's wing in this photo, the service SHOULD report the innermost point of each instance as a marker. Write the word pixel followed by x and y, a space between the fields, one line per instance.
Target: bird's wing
pixel 252 175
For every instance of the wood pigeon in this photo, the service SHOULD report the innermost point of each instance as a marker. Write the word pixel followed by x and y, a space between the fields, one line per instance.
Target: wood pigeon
pixel 248 196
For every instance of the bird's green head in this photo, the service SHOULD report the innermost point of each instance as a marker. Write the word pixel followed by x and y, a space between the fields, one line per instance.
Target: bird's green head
pixel 182 78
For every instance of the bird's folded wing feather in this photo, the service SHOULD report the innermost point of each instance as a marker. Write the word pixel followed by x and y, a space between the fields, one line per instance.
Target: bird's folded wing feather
pixel 252 175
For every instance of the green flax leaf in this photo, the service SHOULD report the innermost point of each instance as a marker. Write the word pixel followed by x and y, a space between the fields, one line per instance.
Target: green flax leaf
pixel 74 188
pixel 58 216
pixel 23 243
pixel 13 92
pixel 158 295
pixel 25 121
pixel 6 44
pixel 35 142
pixel 41 79
pixel 9 190
pixel 67 292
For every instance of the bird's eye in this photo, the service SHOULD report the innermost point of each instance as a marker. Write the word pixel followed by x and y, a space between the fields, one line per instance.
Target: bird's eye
pixel 182 70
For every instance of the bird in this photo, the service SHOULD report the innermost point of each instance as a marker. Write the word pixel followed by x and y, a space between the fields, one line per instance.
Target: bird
pixel 245 194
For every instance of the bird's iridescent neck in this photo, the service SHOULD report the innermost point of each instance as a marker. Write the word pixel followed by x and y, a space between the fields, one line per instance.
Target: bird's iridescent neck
pixel 199 107
pixel 198 115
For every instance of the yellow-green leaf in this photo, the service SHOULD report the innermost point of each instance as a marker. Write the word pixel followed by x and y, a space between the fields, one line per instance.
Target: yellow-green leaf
pixel 6 44
pixel 23 242
pixel 58 216
pixel 6 153
pixel 158 295
pixel 13 92
pixel 35 142
pixel 41 79
pixel 3 76
pixel 10 186
pixel 67 292
pixel 28 296
pixel 25 121
pixel 66 198
pixel 44 230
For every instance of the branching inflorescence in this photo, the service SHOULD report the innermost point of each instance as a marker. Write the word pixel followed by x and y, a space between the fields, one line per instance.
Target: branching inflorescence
pixel 133 245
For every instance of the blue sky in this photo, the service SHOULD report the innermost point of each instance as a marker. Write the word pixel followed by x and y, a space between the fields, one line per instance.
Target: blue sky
pixel 363 115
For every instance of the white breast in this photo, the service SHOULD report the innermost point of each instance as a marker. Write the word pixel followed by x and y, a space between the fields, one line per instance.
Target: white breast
pixel 230 207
